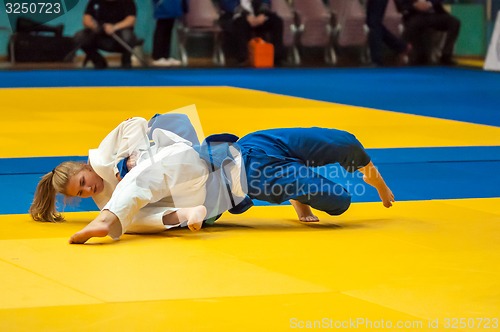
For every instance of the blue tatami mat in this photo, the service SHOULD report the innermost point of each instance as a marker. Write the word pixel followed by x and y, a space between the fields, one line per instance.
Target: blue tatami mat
pixel 412 174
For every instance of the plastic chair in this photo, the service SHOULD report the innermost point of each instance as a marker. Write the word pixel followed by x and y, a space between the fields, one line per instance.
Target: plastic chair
pixel 350 29
pixel 315 29
pixel 35 42
pixel 393 20
pixel 201 19
pixel 283 10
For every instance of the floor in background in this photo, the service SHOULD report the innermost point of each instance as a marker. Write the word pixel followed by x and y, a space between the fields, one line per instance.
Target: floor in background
pixel 472 62
pixel 426 262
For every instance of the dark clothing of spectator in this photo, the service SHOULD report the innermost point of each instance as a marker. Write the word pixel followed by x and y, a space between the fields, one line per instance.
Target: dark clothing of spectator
pixel 418 21
pixel 165 13
pixel 379 34
pixel 103 13
pixel 235 21
pixel 110 11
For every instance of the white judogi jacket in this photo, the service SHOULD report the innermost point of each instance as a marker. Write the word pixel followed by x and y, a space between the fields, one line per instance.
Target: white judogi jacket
pixel 119 144
pixel 175 178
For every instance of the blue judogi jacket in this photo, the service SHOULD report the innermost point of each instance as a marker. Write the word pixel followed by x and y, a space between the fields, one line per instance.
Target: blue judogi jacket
pixel 215 151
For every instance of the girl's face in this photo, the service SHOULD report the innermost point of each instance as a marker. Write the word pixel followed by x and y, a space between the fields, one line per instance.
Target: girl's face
pixel 85 183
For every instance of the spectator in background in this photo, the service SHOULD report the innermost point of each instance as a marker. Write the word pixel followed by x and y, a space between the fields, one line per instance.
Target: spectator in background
pixel 420 16
pixel 102 20
pixel 380 35
pixel 244 19
pixel 165 13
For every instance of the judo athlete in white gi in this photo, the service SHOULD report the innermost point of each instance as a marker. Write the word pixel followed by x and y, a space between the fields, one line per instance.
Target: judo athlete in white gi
pixel 170 180
pixel 166 186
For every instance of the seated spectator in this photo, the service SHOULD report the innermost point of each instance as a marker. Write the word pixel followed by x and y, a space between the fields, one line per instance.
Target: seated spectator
pixel 419 16
pixel 165 13
pixel 244 19
pixel 103 20
pixel 380 35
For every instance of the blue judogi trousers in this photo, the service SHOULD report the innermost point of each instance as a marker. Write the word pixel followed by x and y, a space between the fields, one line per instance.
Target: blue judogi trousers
pixel 279 165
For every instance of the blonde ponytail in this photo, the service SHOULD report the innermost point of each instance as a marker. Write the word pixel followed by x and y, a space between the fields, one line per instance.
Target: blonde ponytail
pixel 43 207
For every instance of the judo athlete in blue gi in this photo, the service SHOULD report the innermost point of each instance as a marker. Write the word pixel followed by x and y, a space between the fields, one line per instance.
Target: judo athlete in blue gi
pixel 278 164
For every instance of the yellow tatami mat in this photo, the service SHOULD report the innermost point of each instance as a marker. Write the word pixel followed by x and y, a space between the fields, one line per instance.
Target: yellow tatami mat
pixel 69 121
pixel 419 266
pixel 420 263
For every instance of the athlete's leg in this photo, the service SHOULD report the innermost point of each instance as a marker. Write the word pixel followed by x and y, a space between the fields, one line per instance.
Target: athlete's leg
pixel 372 176
pixel 99 227
pixel 311 146
pixel 317 147
pixel 194 217
pixel 277 180
pixel 303 211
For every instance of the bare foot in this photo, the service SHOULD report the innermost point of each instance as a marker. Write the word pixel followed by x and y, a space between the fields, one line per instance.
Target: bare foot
pixel 372 176
pixel 304 212
pixel 195 217
pixel 94 229
pixel 383 190
pixel 101 226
